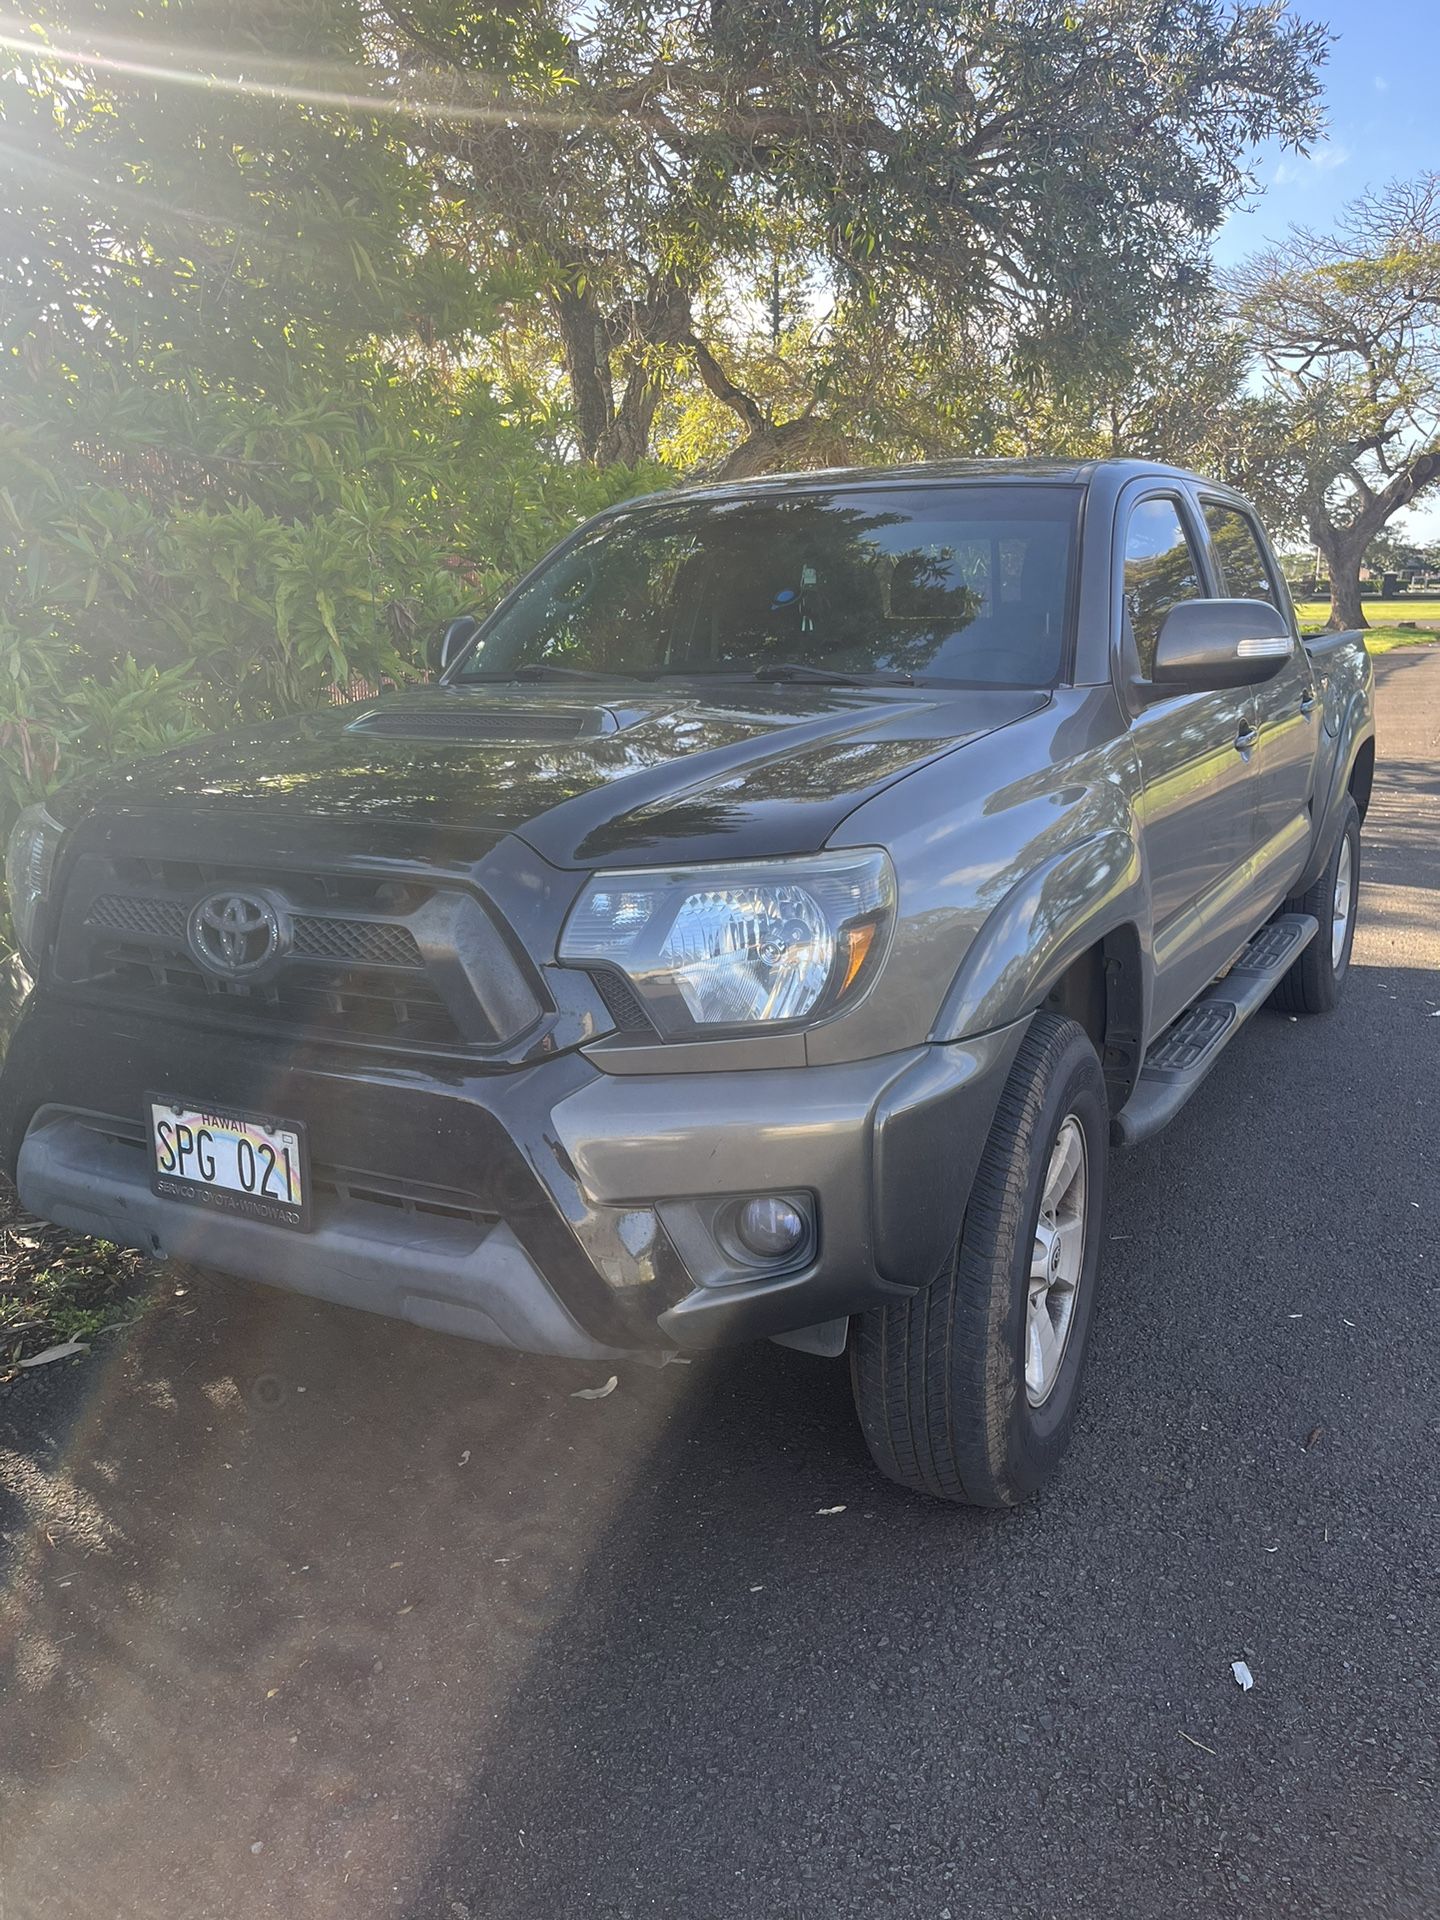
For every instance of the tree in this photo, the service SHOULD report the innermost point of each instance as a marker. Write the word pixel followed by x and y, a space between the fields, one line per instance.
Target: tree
pixel 1174 391
pixel 1038 175
pixel 1345 328
pixel 245 455
pixel 1388 553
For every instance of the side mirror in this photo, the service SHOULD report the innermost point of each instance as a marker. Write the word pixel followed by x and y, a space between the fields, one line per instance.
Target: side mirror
pixel 1206 644
pixel 451 642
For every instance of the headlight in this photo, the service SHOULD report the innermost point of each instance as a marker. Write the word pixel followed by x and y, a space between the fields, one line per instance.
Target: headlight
pixel 29 859
pixel 747 945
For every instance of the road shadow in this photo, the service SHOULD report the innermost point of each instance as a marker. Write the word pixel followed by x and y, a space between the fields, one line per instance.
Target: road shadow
pixel 1400 661
pixel 284 1566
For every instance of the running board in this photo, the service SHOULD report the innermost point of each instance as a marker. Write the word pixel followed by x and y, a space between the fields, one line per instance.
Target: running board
pixel 1180 1059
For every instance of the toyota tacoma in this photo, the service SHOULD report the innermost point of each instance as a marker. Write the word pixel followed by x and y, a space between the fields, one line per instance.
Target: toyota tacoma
pixel 764 927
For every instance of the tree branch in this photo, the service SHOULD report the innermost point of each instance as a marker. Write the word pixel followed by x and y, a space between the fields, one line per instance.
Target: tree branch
pixel 717 382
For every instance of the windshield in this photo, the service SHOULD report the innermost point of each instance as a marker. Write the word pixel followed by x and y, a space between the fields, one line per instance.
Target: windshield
pixel 954 583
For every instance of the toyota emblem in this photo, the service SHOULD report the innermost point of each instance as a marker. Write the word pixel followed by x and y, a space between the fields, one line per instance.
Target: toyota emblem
pixel 234 933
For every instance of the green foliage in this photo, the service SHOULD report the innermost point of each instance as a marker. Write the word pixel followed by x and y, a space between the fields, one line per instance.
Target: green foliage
pixel 1345 328
pixel 268 563
pixel 1014 182
pixel 245 457
pixel 307 309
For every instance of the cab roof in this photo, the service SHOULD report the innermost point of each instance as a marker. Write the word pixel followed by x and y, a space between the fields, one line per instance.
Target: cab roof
pixel 1084 473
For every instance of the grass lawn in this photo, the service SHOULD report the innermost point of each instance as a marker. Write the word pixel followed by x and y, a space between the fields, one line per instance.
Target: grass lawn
pixel 1380 613
pixel 56 1286
pixel 1383 639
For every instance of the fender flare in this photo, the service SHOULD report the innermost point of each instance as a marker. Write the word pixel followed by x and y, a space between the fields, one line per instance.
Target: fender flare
pixel 1327 822
pixel 1055 913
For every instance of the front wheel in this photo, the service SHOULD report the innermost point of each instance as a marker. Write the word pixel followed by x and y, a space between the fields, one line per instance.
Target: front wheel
pixel 1314 983
pixel 968 1390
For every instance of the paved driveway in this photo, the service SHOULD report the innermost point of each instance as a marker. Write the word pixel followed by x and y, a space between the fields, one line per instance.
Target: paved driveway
pixel 313 1616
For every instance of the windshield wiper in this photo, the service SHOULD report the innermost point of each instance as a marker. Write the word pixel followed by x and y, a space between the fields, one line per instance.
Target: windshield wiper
pixel 783 670
pixel 545 670
pixel 775 674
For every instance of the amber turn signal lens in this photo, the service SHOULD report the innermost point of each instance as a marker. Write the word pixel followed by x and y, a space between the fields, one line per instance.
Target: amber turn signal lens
pixel 858 942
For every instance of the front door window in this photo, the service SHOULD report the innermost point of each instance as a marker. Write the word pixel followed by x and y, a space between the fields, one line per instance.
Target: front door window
pixel 1160 569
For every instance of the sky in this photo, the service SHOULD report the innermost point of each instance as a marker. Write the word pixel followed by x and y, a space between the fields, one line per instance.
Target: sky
pixel 1382 87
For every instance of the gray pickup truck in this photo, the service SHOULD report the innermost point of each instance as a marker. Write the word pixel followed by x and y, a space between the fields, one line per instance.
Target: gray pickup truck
pixel 765 928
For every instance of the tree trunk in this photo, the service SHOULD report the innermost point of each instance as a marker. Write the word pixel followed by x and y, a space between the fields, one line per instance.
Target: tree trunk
pixel 603 347
pixel 1346 610
pixel 627 439
pixel 1343 557
pixel 806 442
pixel 1345 547
pixel 769 446
pixel 586 346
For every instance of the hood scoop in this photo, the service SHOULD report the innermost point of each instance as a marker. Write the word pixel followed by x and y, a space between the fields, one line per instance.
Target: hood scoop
pixel 458 719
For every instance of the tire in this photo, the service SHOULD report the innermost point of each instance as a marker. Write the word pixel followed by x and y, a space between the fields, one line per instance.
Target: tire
pixel 940 1380
pixel 1314 983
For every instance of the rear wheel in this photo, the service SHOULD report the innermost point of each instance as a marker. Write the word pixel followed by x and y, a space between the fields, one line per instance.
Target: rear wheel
pixel 968 1390
pixel 1314 983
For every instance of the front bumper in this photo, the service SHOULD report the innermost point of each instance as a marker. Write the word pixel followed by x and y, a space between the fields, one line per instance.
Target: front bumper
pixel 553 1208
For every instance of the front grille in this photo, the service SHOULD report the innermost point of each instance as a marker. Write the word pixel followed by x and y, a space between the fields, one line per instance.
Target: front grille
pixel 133 913
pixel 368 943
pixel 335 1002
pixel 363 957
pixel 378 1190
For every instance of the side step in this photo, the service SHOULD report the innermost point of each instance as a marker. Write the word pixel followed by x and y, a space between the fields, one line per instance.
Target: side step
pixel 1183 1055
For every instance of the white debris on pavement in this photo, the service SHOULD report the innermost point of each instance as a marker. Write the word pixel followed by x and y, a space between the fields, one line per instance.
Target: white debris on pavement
pixel 597 1393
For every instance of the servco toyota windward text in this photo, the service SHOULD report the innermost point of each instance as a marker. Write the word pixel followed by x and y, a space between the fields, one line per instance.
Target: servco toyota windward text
pixel 766 927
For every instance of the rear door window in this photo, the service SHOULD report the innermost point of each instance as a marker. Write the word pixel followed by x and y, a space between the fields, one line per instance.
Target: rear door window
pixel 1244 571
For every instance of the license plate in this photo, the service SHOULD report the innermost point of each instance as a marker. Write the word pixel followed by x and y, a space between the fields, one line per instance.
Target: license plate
pixel 235 1162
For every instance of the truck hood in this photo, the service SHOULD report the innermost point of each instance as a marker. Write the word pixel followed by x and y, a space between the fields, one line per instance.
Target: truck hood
pixel 626 777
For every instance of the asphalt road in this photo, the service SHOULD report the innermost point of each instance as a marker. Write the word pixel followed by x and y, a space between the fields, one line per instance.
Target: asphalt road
pixel 310 1616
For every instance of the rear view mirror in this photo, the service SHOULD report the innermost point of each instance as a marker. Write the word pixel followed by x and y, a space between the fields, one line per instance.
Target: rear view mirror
pixel 451 643
pixel 1205 644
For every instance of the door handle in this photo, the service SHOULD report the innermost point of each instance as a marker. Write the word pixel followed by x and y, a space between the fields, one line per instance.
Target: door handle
pixel 1307 700
pixel 1245 739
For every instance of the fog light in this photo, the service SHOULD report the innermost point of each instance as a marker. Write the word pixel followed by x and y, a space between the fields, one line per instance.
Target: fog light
pixel 770 1228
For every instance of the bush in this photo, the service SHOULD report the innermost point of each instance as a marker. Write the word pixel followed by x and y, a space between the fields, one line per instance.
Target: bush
pixel 182 567
pixel 245 456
